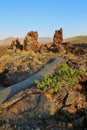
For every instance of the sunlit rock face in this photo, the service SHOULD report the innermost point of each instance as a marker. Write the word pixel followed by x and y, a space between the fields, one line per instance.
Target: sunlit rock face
pixel 58 37
pixel 31 41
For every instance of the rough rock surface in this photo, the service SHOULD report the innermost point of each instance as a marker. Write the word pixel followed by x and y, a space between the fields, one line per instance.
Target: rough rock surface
pixel 57 42
pixel 31 109
pixel 77 49
pixel 31 41
pixel 58 37
pixel 15 44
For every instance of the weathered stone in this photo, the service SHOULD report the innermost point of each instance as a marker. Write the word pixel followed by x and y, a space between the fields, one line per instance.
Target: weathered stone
pixel 58 37
pixel 68 46
pixel 43 48
pixel 77 49
pixel 80 101
pixel 15 44
pixel 31 41
pixel 57 42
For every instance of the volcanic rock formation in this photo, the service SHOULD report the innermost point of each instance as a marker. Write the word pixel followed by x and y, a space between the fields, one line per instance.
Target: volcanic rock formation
pixel 15 44
pixel 57 42
pixel 31 41
pixel 58 37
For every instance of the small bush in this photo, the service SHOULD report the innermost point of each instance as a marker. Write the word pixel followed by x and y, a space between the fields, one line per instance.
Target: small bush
pixel 65 76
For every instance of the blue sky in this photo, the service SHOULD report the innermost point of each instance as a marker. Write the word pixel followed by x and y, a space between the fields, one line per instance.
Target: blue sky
pixel 17 17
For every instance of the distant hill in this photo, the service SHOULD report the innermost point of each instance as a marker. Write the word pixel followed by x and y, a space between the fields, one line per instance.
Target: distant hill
pixel 7 41
pixel 45 39
pixel 77 39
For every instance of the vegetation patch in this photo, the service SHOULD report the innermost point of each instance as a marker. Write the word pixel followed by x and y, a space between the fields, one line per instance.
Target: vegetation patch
pixel 65 76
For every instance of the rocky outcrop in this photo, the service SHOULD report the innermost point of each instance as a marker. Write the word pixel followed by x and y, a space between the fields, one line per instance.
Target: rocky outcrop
pixel 58 37
pixel 31 41
pixel 45 47
pixel 57 42
pixel 15 44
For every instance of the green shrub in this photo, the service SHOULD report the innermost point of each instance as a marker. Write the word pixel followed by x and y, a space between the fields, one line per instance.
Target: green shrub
pixel 65 76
